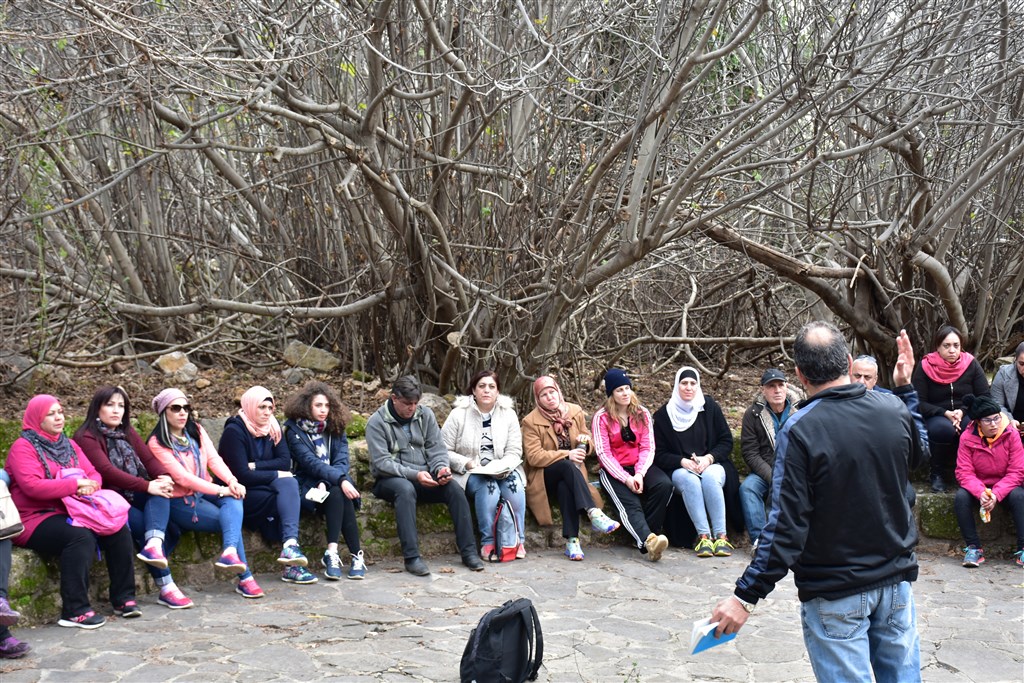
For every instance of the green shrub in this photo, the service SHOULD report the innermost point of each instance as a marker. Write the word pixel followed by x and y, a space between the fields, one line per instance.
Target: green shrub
pixel 356 429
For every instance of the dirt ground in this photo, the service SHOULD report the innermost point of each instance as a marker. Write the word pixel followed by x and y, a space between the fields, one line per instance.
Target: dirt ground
pixel 75 387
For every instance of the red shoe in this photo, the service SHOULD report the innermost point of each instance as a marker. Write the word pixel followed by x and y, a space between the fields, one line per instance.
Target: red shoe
pixel 174 599
pixel 231 561
pixel 153 556
pixel 248 588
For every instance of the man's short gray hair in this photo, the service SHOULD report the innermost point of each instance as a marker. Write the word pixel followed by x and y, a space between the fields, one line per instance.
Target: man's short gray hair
pixel 407 387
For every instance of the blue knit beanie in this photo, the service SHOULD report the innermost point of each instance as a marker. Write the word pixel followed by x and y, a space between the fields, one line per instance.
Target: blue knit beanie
pixel 615 378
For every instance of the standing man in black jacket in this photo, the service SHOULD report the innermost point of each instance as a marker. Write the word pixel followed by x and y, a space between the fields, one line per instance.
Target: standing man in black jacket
pixel 840 521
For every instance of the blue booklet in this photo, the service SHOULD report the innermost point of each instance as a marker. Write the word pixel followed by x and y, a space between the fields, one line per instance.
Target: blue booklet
pixel 703 636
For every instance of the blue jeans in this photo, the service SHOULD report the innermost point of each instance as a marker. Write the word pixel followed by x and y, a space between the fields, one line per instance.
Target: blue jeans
pixel 148 518
pixel 485 492
pixel 703 496
pixel 212 514
pixel 753 492
pixel 875 631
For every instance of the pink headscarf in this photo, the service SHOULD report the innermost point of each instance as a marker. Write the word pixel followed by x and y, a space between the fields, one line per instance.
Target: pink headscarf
pixel 251 400
pixel 35 413
pixel 559 417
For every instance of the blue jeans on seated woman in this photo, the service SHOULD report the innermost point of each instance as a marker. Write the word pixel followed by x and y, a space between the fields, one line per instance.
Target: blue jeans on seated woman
pixel 150 517
pixel 485 492
pixel 875 631
pixel 704 497
pixel 212 514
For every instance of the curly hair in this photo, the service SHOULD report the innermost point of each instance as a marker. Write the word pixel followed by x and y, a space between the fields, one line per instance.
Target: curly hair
pixel 298 405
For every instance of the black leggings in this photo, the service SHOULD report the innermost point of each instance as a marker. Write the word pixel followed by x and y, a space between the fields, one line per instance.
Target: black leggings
pixel 76 549
pixel 563 480
pixel 341 519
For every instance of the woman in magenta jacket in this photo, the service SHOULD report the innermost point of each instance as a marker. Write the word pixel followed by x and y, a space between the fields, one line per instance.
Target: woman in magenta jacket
pixel 34 464
pixel 990 469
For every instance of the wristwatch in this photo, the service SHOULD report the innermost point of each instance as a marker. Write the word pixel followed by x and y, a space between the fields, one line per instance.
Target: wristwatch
pixel 748 606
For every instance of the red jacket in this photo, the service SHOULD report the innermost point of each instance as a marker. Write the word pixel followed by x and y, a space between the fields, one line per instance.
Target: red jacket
pixel 95 450
pixel 34 494
pixel 999 467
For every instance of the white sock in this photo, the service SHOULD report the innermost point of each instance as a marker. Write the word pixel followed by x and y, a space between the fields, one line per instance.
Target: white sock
pixel 154 542
pixel 168 587
pixel 332 548
pixel 290 541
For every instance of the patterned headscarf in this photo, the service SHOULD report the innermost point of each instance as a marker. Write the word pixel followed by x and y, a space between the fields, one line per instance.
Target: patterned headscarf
pixel 559 417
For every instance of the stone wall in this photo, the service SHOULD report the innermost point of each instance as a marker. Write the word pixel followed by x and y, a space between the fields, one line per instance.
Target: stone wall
pixel 34 582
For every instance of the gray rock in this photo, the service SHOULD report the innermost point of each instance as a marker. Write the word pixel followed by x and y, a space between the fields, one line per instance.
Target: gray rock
pixel 438 404
pixel 186 373
pixel 297 375
pixel 214 426
pixel 305 356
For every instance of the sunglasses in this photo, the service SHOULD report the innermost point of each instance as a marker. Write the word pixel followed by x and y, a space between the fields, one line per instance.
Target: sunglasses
pixel 174 408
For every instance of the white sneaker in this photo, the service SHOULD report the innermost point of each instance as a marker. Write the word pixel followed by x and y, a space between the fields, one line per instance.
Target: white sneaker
pixel 358 569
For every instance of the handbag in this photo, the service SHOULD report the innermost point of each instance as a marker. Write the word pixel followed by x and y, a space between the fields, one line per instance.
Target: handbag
pixel 104 512
pixel 10 520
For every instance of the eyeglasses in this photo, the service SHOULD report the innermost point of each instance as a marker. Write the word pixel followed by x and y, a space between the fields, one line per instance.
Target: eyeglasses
pixel 175 408
pixel 991 420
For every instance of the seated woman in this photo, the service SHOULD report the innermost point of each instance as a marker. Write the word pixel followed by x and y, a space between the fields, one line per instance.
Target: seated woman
pixel 34 464
pixel 990 469
pixel 197 504
pixel 555 444
pixel 942 379
pixel 482 429
pixel 10 647
pixel 316 440
pixel 1008 387
pixel 692 445
pixel 624 443
pixel 253 449
pixel 127 466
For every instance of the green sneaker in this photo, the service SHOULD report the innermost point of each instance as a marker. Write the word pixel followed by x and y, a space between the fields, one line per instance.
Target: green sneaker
pixel 704 547
pixel 722 547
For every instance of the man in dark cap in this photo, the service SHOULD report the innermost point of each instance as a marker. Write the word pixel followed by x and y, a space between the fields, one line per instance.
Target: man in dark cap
pixel 761 422
pixel 840 521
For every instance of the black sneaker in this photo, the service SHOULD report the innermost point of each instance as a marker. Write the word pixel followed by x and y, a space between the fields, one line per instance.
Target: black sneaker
pixel 89 620
pixel 129 610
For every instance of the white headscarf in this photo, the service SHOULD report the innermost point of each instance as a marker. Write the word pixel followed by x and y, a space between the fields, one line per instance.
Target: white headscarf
pixel 684 413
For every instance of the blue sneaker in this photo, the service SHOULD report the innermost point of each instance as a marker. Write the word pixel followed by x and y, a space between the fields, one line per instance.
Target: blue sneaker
pixel 973 557
pixel 1018 558
pixel 332 565
pixel 602 522
pixel 292 556
pixel 295 574
pixel 358 569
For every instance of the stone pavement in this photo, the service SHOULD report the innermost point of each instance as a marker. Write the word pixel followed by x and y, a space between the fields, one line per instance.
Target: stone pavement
pixel 613 617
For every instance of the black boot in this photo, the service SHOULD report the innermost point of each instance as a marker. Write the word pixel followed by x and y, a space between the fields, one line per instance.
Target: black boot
pixel 938 485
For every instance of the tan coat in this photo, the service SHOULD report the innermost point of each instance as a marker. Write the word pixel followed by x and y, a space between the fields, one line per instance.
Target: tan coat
pixel 540 449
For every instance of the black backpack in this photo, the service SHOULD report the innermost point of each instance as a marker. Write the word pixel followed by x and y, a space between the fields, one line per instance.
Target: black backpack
pixel 505 647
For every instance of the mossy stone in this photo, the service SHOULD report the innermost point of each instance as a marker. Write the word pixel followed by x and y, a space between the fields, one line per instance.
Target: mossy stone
pixel 936 517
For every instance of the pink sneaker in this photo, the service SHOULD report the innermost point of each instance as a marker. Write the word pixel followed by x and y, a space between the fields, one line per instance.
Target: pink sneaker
pixel 231 561
pixel 248 588
pixel 154 557
pixel 521 552
pixel 174 599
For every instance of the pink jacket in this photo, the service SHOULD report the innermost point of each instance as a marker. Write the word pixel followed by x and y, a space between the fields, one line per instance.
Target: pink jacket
pixel 614 454
pixel 186 479
pixel 34 494
pixel 999 467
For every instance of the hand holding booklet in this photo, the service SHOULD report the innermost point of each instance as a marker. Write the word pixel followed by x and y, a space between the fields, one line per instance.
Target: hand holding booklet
pixel 703 636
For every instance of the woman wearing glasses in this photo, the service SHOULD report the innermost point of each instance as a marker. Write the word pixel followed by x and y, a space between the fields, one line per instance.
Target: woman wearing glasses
pixel 693 447
pixel 624 443
pixel 1008 386
pixel 990 469
pixel 197 503
pixel 482 434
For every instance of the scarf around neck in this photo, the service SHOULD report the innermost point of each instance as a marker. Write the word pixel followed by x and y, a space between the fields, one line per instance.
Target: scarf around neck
pixel 684 413
pixel 559 417
pixel 55 447
pixel 942 372
pixel 121 454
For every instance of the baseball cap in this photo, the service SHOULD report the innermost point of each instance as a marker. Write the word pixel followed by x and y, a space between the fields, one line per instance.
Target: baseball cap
pixel 772 374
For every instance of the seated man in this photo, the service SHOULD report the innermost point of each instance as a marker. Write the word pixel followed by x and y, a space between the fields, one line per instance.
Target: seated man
pixel 409 461
pixel 864 370
pixel 761 422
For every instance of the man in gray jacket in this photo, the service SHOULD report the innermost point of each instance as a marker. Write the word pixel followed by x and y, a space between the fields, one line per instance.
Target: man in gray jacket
pixel 409 461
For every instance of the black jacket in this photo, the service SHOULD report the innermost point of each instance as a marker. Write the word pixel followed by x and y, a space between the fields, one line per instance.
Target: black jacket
pixel 839 517
pixel 936 399
pixel 667 454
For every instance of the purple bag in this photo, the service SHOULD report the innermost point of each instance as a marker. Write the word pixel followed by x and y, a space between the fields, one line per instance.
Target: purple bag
pixel 104 512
